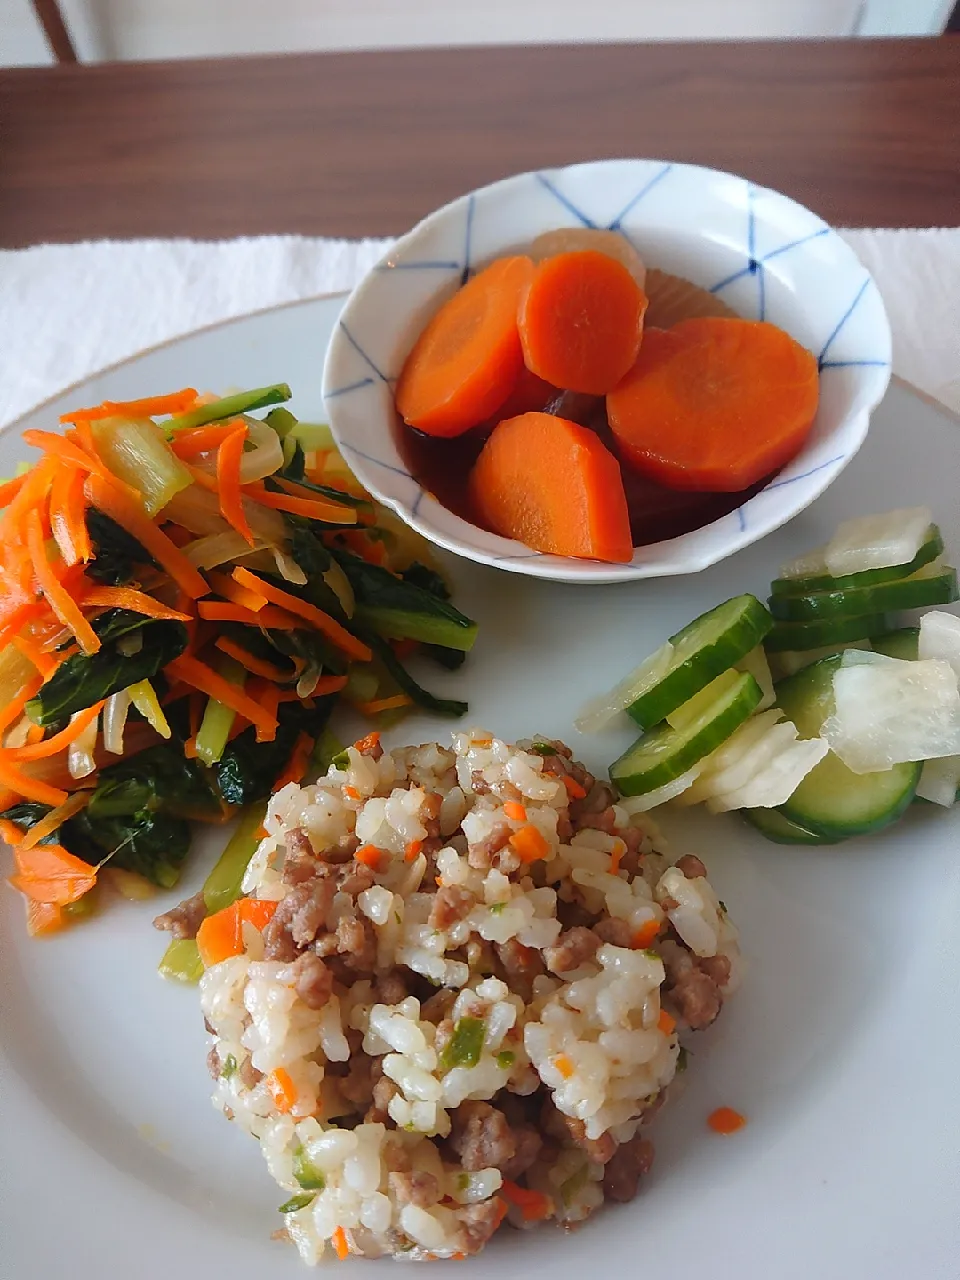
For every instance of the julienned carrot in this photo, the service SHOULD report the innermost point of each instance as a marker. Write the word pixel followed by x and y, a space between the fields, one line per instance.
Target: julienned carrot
pixel 555 486
pixel 229 460
pixel 48 873
pixel 581 320
pixel 204 678
pixel 715 404
pixel 269 616
pixel 298 763
pixel 328 684
pixel 150 407
pixel 10 488
pixel 197 440
pixel 133 600
pixel 127 513
pixel 468 358
pixel 59 599
pixel 45 663
pixel 59 741
pixel 394 703
pixel 328 626
pixel 68 521
pixel 225 586
pixel 311 508
pixel 63 450
pixel 256 666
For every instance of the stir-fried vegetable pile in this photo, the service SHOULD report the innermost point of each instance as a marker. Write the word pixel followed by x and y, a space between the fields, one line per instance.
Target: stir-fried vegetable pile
pixel 185 593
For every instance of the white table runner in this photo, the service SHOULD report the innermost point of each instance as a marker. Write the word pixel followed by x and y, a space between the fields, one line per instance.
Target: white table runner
pixel 67 311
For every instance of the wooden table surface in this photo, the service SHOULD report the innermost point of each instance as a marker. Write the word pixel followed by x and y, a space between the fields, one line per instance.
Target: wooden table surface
pixel 865 132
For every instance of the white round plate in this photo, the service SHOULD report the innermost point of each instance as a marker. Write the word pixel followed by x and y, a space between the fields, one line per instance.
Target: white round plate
pixel 841 1047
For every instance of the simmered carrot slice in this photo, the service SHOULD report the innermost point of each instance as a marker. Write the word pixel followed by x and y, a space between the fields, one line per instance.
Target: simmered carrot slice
pixel 715 404
pixel 553 485
pixel 581 321
pixel 468 357
pixel 529 394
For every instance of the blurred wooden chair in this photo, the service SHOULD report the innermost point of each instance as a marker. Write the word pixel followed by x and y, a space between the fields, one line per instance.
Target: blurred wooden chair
pixel 55 29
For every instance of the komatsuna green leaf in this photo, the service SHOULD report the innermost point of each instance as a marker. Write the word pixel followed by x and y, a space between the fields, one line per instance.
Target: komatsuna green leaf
pixel 160 778
pixel 402 610
pixel 117 554
pixel 247 769
pixel 84 679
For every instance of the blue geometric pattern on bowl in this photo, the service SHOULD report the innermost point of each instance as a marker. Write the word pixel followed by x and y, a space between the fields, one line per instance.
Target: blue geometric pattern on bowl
pixel 767 256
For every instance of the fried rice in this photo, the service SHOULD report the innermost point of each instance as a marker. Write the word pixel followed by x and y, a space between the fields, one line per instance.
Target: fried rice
pixel 469 1000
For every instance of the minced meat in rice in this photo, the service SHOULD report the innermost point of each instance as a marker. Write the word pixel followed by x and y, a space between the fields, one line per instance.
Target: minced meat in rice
pixel 469 998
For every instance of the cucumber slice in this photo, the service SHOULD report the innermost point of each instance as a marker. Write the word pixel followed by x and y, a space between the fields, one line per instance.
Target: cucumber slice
pixel 832 800
pixel 898 644
pixel 800 636
pixel 666 753
pixel 933 584
pixel 777 827
pixel 703 650
pixel 930 548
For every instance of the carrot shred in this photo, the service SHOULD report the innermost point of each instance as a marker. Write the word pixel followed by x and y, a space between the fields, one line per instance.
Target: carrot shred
pixel 516 812
pixel 219 936
pixel 646 935
pixel 311 508
pixel 282 1090
pixel 271 618
pixel 323 623
pixel 369 855
pixel 555 486
pixel 256 666
pixel 14 708
pixel 203 478
pixel 299 762
pixel 411 850
pixel 60 741
pixel 339 1241
pixel 564 1065
pixel 49 873
pixel 574 790
pixel 394 703
pixel 714 404
pixel 55 819
pixel 725 1120
pixel 580 321
pixel 534 1206
pixel 197 440
pixel 529 843
pixel 666 1024
pixel 149 407
pixel 368 742
pixel 229 459
pixel 10 488
pixel 60 449
pixel 135 601
pixel 127 513
pixel 468 357
pixel 193 672
pixel 10 832
pixel 59 600
pixel 225 586
pixel 68 516
pixel 43 917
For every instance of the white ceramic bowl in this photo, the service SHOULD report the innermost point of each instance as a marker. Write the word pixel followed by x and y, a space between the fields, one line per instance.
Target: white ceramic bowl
pixel 765 255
